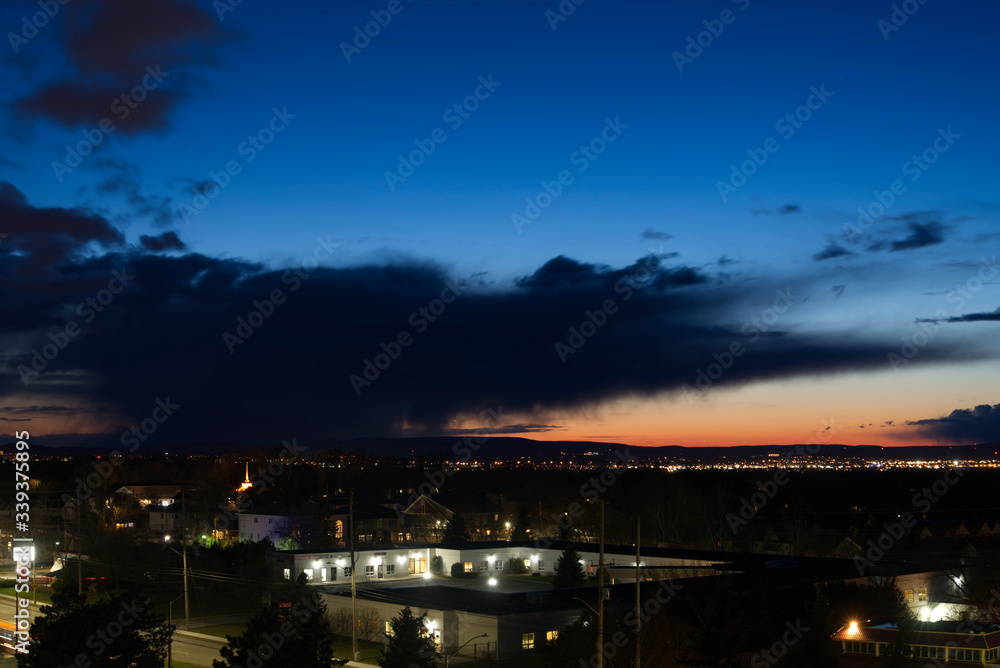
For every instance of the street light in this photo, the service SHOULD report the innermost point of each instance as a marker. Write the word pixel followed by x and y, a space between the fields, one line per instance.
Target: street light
pixel 447 657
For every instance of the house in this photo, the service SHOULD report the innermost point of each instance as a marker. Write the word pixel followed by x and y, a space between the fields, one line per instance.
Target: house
pixel 950 643
pixel 164 519
pixel 285 525
pixel 146 495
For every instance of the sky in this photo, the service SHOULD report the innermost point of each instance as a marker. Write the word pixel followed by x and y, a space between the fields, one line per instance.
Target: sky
pixel 723 223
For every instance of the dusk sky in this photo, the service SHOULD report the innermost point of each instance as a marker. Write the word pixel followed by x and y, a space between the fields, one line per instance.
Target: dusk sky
pixel 631 222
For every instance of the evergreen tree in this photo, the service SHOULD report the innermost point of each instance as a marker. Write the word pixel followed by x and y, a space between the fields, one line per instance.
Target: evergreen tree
pixel 116 632
pixel 410 644
pixel 522 525
pixel 300 638
pixel 569 570
pixel 456 531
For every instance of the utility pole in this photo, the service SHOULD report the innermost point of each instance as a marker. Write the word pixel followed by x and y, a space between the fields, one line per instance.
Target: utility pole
pixel 79 549
pixel 187 610
pixel 600 597
pixel 354 592
pixel 638 617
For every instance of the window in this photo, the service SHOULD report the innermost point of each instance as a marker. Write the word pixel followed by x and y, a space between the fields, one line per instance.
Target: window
pixel 255 520
pixel 527 564
pixel 922 594
pixel 347 571
pixel 484 565
pixel 418 565
pixel 322 575
pixel 309 574
pixel 964 654
pixel 388 628
pixel 859 647
pixel 498 565
pixel 369 571
pixel 467 567
pixel 528 641
pixel 541 565
pixel 551 636
pixel 270 520
pixel 390 569
pixel 908 595
pixel 338 529
pixel 923 652
pixel 288 574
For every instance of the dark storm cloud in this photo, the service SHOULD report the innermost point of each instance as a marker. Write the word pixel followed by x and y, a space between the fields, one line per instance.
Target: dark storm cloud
pixel 831 251
pixel 978 425
pixel 46 237
pixel 990 316
pixel 163 242
pixel 163 337
pixel 782 211
pixel 649 234
pixel 111 47
pixel 920 236
pixel 506 429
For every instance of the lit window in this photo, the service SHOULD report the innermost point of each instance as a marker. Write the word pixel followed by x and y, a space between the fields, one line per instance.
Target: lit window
pixel 388 629
pixel 527 564
pixel 288 574
pixel 338 529
pixel 418 565
pixel 322 575
pixel 528 641
pixel 551 636
pixel 468 566
pixel 908 595
pixel 922 594
pixel 309 574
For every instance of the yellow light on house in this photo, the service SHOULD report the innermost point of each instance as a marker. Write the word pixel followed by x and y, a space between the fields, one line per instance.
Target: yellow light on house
pixel 852 629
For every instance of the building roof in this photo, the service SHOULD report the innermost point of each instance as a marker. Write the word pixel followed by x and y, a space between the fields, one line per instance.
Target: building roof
pixel 963 634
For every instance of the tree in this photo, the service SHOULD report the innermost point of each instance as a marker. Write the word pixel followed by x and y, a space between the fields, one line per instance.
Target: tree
pixel 522 524
pixel 299 638
pixel 116 632
pixel 456 530
pixel 569 570
pixel 410 644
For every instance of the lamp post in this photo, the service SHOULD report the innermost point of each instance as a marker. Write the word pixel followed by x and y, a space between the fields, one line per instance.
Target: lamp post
pixel 447 657
pixel 170 621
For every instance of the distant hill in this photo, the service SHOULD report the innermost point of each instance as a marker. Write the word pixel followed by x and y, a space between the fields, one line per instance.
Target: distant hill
pixel 494 447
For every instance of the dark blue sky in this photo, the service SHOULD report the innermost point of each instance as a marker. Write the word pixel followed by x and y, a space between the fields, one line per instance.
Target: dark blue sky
pixel 885 95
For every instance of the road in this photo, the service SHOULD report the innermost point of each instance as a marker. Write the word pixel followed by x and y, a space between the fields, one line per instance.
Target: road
pixel 190 647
